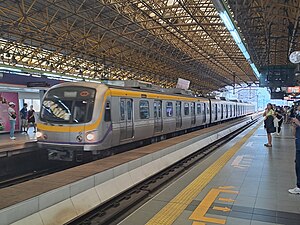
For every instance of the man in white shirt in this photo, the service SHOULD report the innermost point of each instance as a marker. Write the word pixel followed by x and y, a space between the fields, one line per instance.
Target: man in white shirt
pixel 12 120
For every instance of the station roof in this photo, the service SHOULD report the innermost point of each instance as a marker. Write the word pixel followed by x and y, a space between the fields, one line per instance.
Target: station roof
pixel 270 28
pixel 156 41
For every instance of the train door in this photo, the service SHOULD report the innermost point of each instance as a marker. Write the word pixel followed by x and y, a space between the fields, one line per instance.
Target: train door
pixel 193 114
pixel 178 115
pixel 158 126
pixel 126 119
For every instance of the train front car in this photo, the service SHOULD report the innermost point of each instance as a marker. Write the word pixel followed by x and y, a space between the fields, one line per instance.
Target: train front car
pixel 72 120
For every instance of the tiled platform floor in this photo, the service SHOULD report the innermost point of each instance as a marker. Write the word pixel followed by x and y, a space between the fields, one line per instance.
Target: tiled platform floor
pixel 261 176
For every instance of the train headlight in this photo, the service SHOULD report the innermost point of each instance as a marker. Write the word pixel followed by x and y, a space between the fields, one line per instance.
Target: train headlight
pixel 90 136
pixel 39 134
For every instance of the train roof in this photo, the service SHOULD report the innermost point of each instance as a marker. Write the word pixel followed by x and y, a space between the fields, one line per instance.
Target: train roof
pixel 140 86
pixel 136 86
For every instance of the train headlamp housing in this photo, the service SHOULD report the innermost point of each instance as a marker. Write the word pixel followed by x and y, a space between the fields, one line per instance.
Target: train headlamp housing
pixel 90 136
pixel 39 134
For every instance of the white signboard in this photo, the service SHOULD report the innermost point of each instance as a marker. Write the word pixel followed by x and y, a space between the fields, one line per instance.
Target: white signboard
pixel 183 84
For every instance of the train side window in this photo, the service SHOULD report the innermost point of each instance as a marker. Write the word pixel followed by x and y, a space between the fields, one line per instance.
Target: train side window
pixel 169 109
pixel 226 108
pixel 129 109
pixel 186 109
pixel 122 110
pixel 198 108
pixel 230 110
pixel 222 111
pixel 107 114
pixel 144 109
pixel 178 108
pixel 193 108
pixel 216 111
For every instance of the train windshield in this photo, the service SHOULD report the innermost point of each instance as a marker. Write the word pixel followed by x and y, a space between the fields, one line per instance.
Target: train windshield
pixel 68 105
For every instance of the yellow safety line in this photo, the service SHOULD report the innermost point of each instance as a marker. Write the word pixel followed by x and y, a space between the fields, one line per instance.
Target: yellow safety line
pixel 177 205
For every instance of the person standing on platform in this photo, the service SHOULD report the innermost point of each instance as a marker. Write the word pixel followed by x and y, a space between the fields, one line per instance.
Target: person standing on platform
pixel 24 121
pixel 296 123
pixel 12 120
pixel 269 123
pixel 278 119
pixel 31 119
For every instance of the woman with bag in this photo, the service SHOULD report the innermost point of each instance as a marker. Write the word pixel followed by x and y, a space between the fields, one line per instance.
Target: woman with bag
pixel 269 123
pixel 12 120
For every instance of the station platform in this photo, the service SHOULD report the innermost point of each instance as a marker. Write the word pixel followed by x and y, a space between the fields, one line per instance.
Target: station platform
pixel 22 142
pixel 243 183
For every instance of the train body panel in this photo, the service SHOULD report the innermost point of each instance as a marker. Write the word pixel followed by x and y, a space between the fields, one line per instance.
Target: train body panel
pixel 94 117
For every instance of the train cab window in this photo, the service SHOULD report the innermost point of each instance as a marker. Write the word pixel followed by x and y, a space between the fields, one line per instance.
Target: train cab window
pixel 79 111
pixel 144 109
pixel 68 105
pixel 169 109
pixel 107 114
pixel 186 109
pixel 122 110
pixel 198 108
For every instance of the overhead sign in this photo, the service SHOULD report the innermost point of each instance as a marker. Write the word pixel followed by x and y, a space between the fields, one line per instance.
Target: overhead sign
pixel 277 95
pixel 38 84
pixel 277 76
pixel 183 84
pixel 293 89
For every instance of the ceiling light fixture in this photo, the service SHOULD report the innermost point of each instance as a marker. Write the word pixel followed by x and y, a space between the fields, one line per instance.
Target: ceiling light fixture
pixel 229 24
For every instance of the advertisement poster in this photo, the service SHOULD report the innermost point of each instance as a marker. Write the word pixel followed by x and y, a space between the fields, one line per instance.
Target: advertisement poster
pixel 5 98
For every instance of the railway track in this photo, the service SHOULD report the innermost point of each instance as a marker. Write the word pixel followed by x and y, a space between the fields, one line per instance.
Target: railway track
pixel 116 209
pixel 32 175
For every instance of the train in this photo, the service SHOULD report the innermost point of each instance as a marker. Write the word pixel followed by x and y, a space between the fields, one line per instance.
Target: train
pixel 77 118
